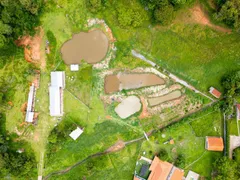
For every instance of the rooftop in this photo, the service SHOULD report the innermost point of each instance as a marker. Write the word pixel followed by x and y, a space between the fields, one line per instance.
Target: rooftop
pixel 192 176
pixel 215 92
pixel 76 133
pixel 214 143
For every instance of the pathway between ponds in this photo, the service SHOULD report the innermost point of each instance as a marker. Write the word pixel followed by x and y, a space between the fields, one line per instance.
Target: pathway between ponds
pixel 174 77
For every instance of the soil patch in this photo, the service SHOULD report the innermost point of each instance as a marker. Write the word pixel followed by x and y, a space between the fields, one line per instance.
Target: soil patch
pixel 115 83
pixel 32 48
pixel 91 47
pixel 116 147
pixel 144 112
pixel 200 17
pixel 168 97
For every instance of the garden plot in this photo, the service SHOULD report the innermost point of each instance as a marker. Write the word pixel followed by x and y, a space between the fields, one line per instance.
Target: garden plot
pixel 115 83
pixel 128 107
pixel 168 97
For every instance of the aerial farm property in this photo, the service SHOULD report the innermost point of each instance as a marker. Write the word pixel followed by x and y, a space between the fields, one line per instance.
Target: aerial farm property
pixel 108 93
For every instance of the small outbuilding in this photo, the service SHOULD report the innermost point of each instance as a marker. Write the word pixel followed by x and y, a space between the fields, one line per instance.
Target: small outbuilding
pixel 74 67
pixel 215 92
pixel 214 143
pixel 192 176
pixel 76 133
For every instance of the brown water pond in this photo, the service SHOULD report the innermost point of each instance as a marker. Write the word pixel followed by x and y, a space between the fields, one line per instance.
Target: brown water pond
pixel 115 83
pixel 161 99
pixel 89 46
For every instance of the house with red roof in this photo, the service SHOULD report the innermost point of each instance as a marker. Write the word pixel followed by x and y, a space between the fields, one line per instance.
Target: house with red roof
pixel 214 143
pixel 215 92
pixel 162 170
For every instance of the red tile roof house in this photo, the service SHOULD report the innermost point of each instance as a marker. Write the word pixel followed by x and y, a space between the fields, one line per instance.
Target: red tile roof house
pixel 215 92
pixel 214 143
pixel 162 170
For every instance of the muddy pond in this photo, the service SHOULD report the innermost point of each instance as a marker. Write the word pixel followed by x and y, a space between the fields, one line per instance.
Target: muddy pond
pixel 161 99
pixel 89 46
pixel 115 83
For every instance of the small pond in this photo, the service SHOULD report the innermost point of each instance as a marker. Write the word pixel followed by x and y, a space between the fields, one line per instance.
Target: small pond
pixel 89 46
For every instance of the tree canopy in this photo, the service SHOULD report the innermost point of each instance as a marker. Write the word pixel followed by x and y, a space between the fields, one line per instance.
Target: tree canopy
pixel 230 13
pixel 17 18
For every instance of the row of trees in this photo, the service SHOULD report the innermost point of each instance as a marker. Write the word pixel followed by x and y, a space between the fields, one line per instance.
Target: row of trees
pixel 17 18
pixel 133 14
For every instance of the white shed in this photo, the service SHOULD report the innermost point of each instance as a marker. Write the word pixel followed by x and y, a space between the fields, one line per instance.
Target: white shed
pixel 192 176
pixel 74 67
pixel 76 133
pixel 58 79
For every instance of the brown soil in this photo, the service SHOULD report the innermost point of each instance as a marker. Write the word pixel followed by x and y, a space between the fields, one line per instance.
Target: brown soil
pixel 24 107
pixel 116 147
pixel 144 112
pixel 200 17
pixel 36 136
pixel 10 103
pixel 32 48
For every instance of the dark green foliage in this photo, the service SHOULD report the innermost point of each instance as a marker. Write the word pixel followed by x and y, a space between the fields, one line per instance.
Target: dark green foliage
pixel 17 18
pixel 162 11
pixel 164 15
pixel 226 169
pixel 229 13
pixel 21 166
pixel 95 5
pixel 231 84
pixel 180 161
pixel 236 155
pixel 163 155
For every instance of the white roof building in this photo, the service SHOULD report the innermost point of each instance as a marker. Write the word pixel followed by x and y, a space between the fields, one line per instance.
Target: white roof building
pixel 30 104
pixel 55 96
pixel 56 93
pixel 76 133
pixel 58 79
pixel 192 176
pixel 29 117
pixel 74 67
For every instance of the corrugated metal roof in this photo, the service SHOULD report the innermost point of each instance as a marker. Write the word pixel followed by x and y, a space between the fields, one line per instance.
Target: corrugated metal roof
pixel 76 133
pixel 29 116
pixel 30 98
pixel 74 67
pixel 58 79
pixel 55 101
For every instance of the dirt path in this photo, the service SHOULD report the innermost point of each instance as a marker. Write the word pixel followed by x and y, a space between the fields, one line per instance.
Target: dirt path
pixel 200 17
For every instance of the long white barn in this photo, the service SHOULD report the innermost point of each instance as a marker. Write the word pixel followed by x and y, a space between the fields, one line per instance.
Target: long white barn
pixel 30 104
pixel 56 93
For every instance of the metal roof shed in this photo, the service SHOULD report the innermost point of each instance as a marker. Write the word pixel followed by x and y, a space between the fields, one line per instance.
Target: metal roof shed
pixel 55 101
pixel 76 133
pixel 58 79
pixel 30 98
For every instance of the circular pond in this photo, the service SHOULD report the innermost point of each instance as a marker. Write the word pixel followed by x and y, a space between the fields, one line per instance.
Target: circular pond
pixel 89 46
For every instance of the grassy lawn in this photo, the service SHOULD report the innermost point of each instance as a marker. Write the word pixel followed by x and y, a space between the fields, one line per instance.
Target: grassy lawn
pixel 189 142
pixel 118 165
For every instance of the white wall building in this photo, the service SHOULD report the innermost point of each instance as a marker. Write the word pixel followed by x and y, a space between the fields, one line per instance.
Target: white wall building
pixel 30 104
pixel 76 133
pixel 56 93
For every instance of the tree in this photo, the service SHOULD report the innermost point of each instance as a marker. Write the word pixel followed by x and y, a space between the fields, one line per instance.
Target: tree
pixel 230 13
pixel 164 15
pixel 225 169
pixel 163 155
pixel 94 5
pixel 180 161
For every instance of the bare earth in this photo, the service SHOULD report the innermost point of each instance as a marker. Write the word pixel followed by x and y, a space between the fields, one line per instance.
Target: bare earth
pixel 116 147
